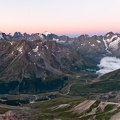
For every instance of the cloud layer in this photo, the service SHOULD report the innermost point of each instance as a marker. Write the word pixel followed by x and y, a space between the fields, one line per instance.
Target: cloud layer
pixel 108 64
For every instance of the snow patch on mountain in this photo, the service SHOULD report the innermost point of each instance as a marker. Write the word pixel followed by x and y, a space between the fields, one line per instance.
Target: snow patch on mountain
pixel 82 44
pixel 62 41
pixel 29 53
pixel 106 46
pixel 11 43
pixel 12 52
pixel 98 41
pixel 36 49
pixel 58 41
pixel 114 44
pixel 39 54
pixel 113 37
pixel 20 49
pixel 46 47
pixel 108 64
pixel 93 45
pixel 108 35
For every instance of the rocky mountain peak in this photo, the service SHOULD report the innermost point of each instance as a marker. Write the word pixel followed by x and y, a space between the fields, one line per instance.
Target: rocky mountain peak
pixel 109 34
pixel 111 41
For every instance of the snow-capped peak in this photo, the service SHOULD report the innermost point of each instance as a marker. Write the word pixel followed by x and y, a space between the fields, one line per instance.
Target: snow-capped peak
pixel 47 33
pixel 113 42
pixel 109 34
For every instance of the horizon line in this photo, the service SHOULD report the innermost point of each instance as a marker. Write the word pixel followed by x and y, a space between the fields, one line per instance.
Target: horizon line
pixel 66 34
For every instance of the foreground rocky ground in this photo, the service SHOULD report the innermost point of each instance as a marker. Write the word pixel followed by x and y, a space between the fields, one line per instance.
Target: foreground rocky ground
pixel 62 108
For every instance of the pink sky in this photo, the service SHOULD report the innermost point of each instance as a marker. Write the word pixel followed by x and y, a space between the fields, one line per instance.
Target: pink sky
pixel 60 16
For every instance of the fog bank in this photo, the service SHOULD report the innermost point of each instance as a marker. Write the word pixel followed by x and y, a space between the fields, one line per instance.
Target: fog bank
pixel 108 64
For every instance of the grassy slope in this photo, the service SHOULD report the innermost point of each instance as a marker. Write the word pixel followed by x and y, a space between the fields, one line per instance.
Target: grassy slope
pixel 49 110
pixel 108 82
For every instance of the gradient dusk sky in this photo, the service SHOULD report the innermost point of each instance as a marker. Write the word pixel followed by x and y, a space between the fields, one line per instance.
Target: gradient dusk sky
pixel 69 17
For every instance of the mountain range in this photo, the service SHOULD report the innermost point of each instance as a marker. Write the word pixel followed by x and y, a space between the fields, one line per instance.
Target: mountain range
pixel 33 63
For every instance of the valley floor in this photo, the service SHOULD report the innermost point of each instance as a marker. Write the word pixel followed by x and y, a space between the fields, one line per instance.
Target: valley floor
pixel 82 98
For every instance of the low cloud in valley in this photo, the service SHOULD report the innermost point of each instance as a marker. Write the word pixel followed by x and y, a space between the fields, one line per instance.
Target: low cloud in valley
pixel 108 64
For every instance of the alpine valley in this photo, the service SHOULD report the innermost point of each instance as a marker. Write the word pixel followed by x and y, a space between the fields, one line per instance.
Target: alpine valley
pixel 50 77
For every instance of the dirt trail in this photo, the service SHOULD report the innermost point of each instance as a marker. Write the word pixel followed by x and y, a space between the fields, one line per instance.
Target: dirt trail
pixel 68 90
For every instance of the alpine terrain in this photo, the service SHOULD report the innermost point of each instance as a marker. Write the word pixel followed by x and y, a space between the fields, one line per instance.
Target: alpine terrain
pixel 51 77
